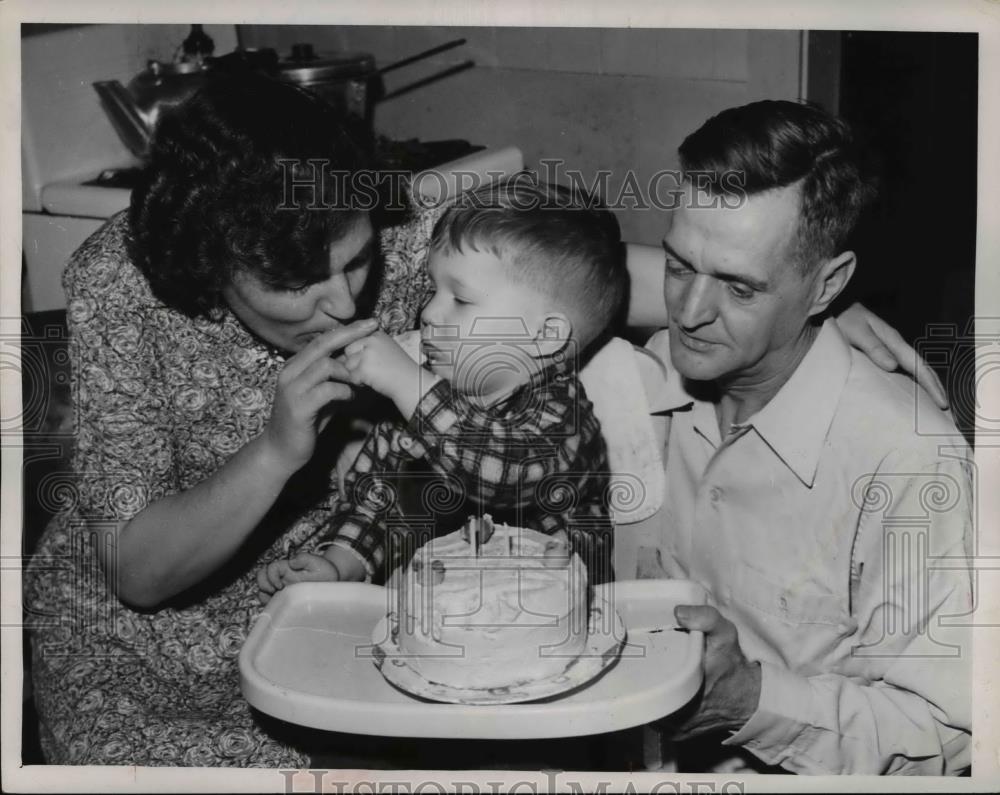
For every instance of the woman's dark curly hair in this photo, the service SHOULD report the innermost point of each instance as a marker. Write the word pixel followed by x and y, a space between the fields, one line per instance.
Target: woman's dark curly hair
pixel 235 182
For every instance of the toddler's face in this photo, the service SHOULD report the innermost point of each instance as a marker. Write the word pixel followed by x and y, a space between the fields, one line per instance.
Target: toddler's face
pixel 478 329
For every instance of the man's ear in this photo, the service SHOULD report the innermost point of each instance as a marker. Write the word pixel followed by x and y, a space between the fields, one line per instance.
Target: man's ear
pixel 831 279
pixel 552 333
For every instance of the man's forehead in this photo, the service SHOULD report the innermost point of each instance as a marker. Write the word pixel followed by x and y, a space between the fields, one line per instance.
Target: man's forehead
pixel 738 228
pixel 741 207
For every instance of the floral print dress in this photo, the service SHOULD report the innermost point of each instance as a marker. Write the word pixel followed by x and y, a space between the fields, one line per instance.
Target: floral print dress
pixel 161 401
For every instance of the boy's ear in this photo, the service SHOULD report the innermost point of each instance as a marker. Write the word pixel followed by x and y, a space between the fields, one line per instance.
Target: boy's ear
pixel 552 334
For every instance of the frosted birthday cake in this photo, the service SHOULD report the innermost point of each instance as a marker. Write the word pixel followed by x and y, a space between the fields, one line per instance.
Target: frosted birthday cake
pixel 492 606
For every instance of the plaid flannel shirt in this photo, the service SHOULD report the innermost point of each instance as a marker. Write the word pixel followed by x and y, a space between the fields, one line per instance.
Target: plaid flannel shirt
pixel 538 455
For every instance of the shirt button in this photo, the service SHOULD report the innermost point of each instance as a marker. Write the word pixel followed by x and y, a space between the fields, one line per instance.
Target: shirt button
pixel 715 495
pixel 783 602
pixel 405 442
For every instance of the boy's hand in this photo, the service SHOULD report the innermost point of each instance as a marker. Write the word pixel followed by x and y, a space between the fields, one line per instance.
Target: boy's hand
pixel 303 567
pixel 377 361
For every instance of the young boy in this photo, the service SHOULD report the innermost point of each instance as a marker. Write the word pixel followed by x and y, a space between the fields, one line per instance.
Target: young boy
pixel 526 277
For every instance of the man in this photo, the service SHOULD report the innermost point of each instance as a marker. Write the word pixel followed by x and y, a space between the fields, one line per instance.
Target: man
pixel 798 491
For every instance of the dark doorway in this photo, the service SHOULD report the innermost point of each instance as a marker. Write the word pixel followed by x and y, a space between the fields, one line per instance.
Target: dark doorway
pixel 914 96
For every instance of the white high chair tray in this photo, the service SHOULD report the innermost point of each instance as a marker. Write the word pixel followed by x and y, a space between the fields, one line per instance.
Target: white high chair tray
pixel 308 660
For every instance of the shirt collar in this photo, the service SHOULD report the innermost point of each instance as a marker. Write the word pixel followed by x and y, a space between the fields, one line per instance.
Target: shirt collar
pixel 558 370
pixel 663 384
pixel 795 422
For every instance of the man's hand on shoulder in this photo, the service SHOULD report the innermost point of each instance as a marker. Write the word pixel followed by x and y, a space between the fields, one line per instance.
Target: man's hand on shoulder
pixel 732 682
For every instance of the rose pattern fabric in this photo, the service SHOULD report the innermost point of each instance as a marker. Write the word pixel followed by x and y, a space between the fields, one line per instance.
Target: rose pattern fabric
pixel 162 401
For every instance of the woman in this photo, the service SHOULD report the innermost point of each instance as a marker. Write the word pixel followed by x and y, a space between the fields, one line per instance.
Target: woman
pixel 201 331
pixel 210 415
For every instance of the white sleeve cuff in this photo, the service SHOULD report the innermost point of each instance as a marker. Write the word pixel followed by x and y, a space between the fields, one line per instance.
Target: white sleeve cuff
pixel 778 721
pixel 369 570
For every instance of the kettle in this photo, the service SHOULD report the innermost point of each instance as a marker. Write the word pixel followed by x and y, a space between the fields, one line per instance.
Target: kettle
pixel 135 110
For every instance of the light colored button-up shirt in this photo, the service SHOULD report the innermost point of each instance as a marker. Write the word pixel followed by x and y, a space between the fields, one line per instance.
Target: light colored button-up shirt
pixel 834 536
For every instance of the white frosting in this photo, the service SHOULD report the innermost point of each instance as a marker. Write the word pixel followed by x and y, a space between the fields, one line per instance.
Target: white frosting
pixel 497 618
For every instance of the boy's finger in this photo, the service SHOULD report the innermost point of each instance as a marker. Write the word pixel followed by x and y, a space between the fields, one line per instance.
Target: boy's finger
pixel 301 561
pixel 274 574
pixel 339 338
pixel 262 577
pixel 289 576
pixel 354 348
pixel 351 362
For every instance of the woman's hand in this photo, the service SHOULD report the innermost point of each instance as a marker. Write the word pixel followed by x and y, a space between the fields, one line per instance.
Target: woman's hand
pixel 309 381
pixel 180 539
pixel 881 343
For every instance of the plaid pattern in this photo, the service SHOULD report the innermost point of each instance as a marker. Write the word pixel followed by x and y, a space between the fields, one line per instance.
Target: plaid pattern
pixel 538 455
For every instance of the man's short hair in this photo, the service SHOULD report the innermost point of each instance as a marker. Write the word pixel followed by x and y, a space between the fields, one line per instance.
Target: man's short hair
pixel 558 241
pixel 774 144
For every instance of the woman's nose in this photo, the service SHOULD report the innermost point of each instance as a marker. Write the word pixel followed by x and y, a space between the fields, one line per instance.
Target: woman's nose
pixel 699 306
pixel 336 300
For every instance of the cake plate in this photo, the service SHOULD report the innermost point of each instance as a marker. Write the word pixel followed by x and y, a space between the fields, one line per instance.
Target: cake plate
pixel 310 660
pixel 606 636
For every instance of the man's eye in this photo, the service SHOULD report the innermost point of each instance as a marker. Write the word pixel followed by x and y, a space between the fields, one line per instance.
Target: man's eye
pixel 297 290
pixel 462 301
pixel 741 291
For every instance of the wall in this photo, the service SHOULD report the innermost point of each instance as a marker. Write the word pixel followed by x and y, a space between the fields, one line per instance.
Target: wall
pixel 614 99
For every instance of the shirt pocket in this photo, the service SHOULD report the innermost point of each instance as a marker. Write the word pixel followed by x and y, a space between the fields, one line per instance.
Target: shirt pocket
pixel 801 602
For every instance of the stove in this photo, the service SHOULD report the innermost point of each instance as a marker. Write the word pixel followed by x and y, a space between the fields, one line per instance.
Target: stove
pixel 99 196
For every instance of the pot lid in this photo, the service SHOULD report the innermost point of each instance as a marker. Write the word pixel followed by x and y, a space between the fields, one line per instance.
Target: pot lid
pixel 171 69
pixel 305 66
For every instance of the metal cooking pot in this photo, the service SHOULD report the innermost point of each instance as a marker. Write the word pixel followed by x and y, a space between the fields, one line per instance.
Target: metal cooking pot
pixel 343 79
